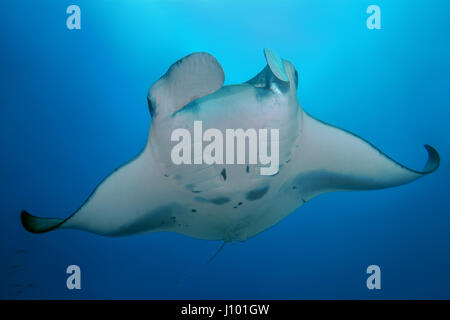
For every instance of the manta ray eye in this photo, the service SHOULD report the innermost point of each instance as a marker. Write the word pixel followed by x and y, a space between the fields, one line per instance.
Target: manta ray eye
pixel 151 107
pixel 296 78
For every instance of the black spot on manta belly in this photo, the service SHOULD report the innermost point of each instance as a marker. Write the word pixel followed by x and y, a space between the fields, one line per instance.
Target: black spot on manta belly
pixel 218 201
pixel 257 193
pixel 224 174
pixel 191 187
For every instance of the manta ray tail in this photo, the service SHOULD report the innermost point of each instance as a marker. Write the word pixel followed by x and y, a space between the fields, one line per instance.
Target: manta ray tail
pixel 39 225
pixel 193 272
pixel 215 254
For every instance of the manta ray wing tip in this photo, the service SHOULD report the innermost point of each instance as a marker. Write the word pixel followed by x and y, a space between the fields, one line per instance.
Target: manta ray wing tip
pixel 433 160
pixel 38 225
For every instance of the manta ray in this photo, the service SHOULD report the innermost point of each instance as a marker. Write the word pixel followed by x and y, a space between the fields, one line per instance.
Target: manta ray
pixel 229 202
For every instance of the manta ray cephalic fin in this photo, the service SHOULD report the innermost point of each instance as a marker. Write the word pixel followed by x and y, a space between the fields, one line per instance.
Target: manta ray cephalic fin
pixel 191 77
pixel 275 64
pixel 273 73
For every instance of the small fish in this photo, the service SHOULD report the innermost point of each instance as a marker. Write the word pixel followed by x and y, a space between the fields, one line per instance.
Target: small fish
pixel 21 251
pixel 15 266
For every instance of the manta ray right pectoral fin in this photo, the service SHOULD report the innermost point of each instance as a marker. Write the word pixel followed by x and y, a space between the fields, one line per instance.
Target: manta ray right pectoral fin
pixel 39 225
pixel 192 77
pixel 332 159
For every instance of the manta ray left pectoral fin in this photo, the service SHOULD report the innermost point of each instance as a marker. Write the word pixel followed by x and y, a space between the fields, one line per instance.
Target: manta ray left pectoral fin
pixel 39 225
pixel 332 159
pixel 192 77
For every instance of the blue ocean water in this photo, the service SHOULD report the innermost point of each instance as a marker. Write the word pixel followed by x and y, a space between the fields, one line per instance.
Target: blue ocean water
pixel 73 108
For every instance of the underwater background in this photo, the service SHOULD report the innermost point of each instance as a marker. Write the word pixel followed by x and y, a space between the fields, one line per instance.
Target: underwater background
pixel 73 108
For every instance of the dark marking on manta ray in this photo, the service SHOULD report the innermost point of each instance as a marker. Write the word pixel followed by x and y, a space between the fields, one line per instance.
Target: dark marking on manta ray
pixel 151 108
pixel 159 217
pixel 194 210
pixel 294 187
pixel 257 193
pixel 319 178
pixel 166 175
pixel 262 93
pixel 192 107
pixel 235 207
pixel 240 204
pixel 217 201
pixel 224 174
pixel 304 201
pixel 220 200
pixel 191 187
pixel 247 169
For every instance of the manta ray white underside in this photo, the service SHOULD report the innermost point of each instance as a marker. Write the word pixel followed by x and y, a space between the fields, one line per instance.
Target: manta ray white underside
pixel 229 202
